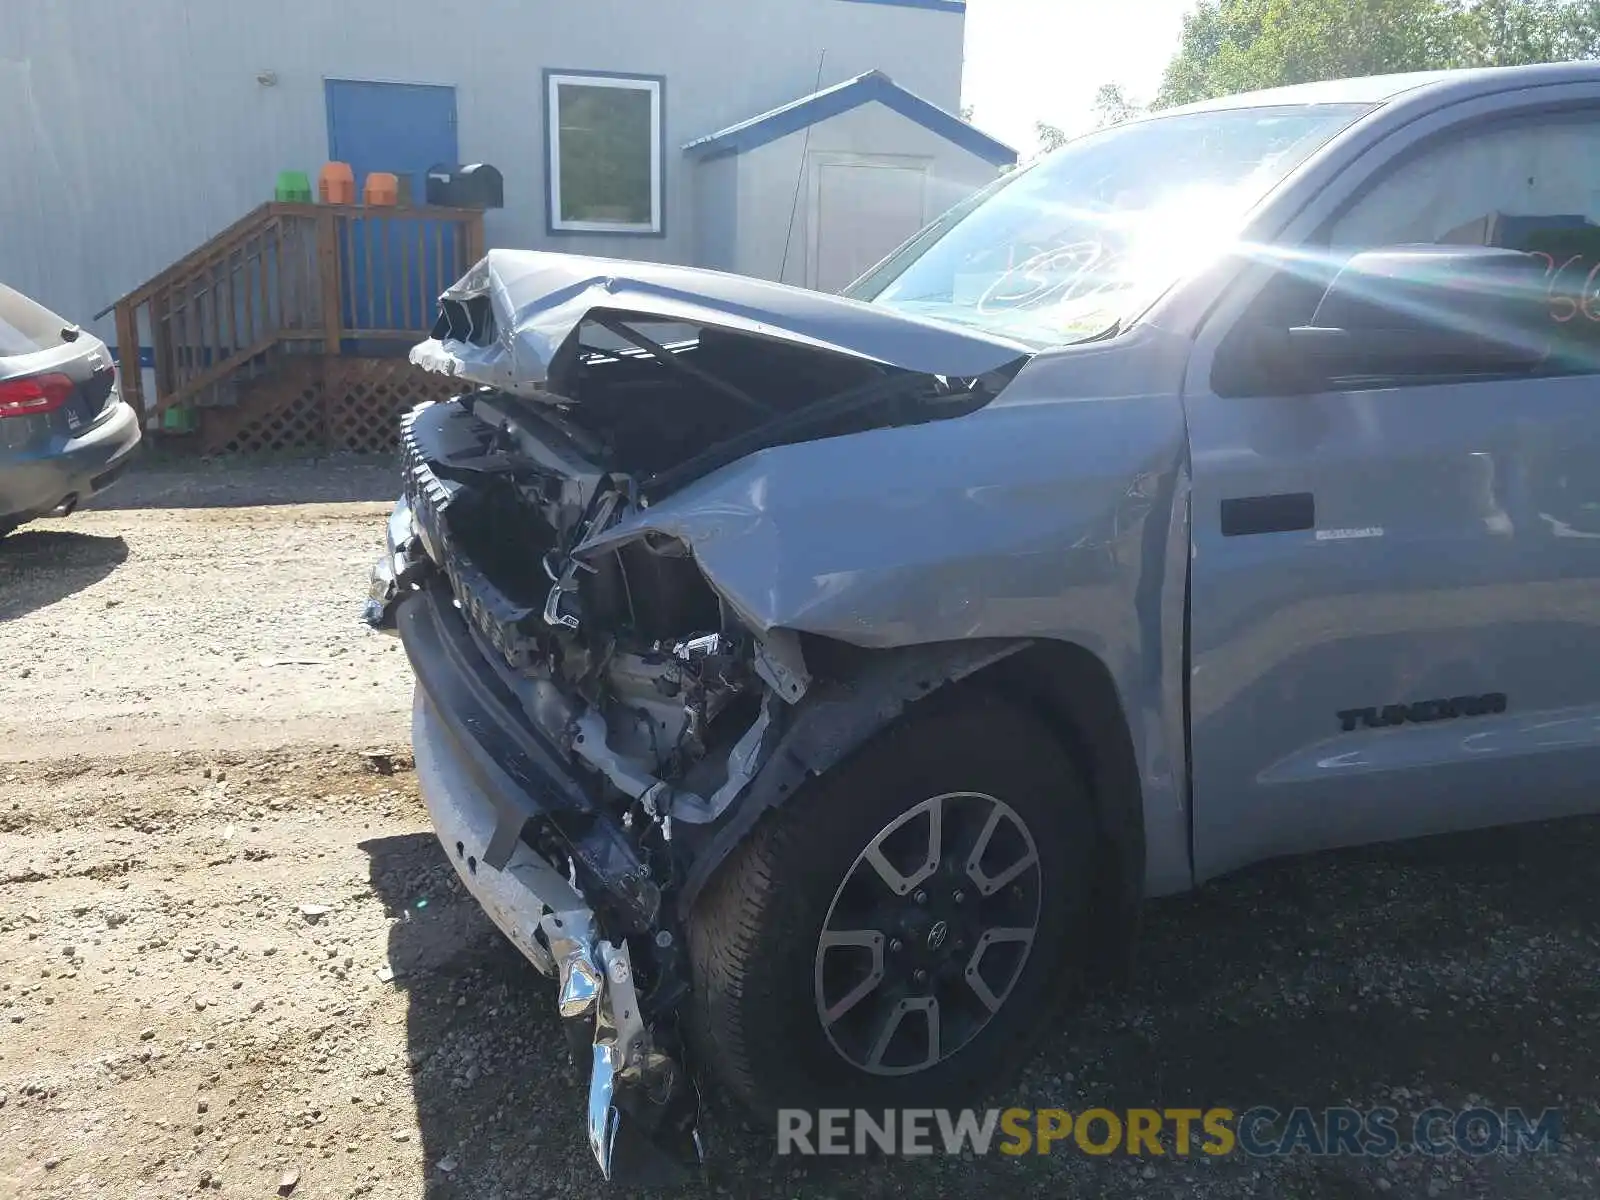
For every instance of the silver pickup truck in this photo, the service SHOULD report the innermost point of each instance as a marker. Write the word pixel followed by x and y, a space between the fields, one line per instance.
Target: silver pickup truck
pixel 815 686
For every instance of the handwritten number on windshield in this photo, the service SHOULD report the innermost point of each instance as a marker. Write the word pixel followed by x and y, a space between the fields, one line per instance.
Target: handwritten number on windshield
pixel 1051 277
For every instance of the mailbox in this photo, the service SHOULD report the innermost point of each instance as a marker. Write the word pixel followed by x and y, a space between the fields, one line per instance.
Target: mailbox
pixel 469 185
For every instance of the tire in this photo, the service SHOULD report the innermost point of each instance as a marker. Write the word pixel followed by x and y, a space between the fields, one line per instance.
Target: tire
pixel 762 982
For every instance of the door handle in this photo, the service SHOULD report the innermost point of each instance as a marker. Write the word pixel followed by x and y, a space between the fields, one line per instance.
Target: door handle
pixel 1283 513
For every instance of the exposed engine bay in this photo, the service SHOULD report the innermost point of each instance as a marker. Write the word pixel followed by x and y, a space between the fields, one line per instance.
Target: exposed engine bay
pixel 639 706
pixel 664 695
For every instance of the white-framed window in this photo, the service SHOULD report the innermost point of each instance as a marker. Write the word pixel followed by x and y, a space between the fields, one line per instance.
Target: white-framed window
pixel 604 138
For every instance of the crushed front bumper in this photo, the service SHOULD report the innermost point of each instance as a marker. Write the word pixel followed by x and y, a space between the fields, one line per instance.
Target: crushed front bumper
pixel 494 788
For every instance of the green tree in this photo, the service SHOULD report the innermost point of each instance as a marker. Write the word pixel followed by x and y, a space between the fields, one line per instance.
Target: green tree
pixel 1051 137
pixel 1239 45
pixel 1112 106
pixel 1507 32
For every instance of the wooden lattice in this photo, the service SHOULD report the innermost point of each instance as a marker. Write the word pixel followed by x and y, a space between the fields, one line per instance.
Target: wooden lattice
pixel 317 404
pixel 367 396
pixel 282 411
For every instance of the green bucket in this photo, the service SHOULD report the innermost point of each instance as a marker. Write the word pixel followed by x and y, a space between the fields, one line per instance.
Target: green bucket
pixel 178 420
pixel 294 187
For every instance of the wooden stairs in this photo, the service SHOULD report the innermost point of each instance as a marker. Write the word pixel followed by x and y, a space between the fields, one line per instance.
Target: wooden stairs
pixel 288 330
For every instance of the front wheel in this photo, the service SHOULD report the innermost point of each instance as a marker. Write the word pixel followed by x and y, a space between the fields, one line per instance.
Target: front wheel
pixel 902 928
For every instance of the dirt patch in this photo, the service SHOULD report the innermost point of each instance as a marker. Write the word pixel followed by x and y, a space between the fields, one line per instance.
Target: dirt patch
pixel 198 975
pixel 142 628
pixel 232 953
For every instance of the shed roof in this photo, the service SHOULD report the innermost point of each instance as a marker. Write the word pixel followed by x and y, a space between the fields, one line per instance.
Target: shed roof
pixel 842 97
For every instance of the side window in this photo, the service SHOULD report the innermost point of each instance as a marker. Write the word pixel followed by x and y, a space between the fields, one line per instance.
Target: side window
pixel 1523 185
pixel 26 327
pixel 1530 184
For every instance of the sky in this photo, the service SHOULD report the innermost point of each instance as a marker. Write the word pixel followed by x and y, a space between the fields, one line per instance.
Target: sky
pixel 1042 60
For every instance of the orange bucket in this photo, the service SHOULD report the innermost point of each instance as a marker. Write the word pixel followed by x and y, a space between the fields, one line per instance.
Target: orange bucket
pixel 336 184
pixel 382 190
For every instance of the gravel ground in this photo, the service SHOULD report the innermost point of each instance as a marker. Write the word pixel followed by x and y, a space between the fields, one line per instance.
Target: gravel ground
pixel 232 957
pixel 212 601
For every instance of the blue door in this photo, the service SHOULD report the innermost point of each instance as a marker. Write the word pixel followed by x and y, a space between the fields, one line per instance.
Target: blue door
pixel 397 267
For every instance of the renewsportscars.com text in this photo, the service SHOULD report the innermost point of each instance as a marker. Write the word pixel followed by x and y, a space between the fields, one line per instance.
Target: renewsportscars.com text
pixel 1259 1132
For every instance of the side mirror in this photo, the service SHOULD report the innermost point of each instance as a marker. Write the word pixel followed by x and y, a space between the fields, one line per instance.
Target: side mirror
pixel 1411 311
pixel 1429 310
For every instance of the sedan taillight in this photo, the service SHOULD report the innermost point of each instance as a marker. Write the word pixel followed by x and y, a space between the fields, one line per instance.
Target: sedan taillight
pixel 33 394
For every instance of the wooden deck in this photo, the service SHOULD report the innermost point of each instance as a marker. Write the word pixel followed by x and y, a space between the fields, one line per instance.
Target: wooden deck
pixel 302 307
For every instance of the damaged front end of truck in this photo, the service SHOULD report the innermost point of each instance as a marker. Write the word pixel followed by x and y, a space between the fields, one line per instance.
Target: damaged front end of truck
pixel 600 712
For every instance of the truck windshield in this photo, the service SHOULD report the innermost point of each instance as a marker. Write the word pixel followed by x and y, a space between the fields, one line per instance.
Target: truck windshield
pixel 1090 235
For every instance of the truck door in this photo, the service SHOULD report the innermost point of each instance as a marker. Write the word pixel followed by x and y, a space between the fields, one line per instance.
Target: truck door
pixel 1395 600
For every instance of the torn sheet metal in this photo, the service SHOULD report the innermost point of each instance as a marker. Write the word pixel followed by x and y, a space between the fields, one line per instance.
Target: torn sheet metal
pixel 833 723
pixel 508 318
pixel 1024 526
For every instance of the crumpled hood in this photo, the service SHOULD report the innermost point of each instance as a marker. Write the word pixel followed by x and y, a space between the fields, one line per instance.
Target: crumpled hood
pixel 503 322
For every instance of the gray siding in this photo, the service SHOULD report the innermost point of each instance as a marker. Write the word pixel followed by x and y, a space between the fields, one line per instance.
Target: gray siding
pixel 717 214
pixel 768 176
pixel 132 134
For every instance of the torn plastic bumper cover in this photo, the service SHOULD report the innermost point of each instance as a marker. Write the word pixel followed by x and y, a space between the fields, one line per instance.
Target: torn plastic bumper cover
pixel 494 792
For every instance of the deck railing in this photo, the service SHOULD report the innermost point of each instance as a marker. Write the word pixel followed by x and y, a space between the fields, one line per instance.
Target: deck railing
pixel 307 278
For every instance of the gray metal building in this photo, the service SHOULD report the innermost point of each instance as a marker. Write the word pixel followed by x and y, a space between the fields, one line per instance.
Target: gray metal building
pixel 716 132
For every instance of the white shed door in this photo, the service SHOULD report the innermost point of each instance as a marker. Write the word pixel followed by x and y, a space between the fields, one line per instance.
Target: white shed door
pixel 863 210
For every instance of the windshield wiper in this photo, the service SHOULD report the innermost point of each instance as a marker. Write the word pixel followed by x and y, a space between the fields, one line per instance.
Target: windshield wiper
pixel 1105 335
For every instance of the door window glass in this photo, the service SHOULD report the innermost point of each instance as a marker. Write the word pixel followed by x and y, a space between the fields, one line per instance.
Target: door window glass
pixel 1514 186
pixel 26 327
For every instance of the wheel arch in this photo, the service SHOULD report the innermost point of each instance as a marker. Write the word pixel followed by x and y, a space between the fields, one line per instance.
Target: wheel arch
pixel 862 692
pixel 1072 690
